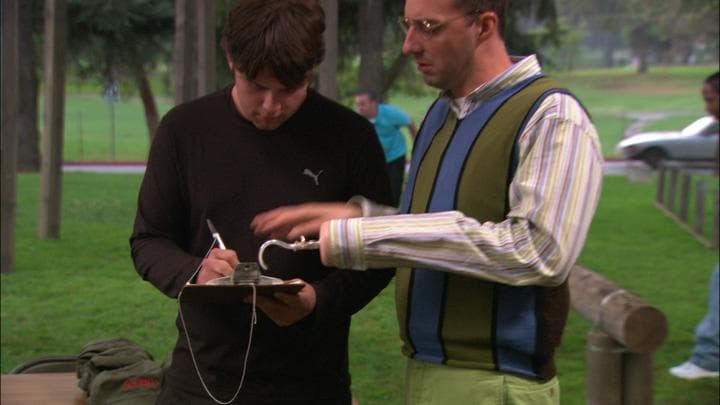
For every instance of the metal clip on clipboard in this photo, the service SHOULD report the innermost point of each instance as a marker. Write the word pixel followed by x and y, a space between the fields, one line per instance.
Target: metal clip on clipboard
pixel 247 273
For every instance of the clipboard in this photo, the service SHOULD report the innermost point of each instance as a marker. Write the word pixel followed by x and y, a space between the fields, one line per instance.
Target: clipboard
pixel 234 293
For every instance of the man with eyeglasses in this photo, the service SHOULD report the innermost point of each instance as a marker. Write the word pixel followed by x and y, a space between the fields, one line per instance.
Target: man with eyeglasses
pixel 504 181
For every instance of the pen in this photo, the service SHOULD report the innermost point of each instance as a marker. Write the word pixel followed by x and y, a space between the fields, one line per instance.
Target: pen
pixel 215 234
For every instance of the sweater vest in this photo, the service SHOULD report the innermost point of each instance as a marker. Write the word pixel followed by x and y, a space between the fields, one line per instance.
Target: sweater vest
pixel 467 165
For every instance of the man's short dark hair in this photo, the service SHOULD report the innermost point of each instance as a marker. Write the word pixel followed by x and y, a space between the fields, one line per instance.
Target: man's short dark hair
pixel 499 7
pixel 370 94
pixel 284 36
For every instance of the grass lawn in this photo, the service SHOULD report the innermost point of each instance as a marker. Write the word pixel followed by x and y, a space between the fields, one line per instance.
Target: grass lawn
pixel 609 95
pixel 89 128
pixel 82 287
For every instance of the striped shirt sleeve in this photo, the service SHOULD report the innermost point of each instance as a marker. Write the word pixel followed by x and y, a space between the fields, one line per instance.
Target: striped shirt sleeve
pixel 553 197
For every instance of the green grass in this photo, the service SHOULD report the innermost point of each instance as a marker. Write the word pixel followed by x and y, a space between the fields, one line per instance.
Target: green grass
pixel 675 89
pixel 612 94
pixel 710 184
pixel 609 94
pixel 677 122
pixel 639 248
pixel 82 287
pixel 89 128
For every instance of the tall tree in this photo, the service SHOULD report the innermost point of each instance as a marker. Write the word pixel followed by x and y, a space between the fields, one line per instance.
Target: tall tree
pixel 8 134
pixel 371 26
pixel 327 71
pixel 206 16
pixel 530 25
pixel 115 39
pixel 52 141
pixel 368 29
pixel 185 51
pixel 28 158
pixel 669 34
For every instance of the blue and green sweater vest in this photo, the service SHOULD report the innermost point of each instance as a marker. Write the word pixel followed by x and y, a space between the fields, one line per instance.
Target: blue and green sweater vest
pixel 467 165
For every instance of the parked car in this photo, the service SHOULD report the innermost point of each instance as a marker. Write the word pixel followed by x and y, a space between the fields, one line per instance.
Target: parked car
pixel 697 141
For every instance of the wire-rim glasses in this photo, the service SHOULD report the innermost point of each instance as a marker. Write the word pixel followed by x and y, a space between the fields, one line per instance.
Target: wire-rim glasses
pixel 427 27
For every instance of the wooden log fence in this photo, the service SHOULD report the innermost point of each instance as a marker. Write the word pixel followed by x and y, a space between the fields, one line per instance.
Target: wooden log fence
pixel 626 332
pixel 674 176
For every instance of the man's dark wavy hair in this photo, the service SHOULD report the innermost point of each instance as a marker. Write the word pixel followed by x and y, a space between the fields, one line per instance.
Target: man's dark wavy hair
pixel 284 36
pixel 499 7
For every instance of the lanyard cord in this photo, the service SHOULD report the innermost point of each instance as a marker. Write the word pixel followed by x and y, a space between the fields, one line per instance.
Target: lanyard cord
pixel 253 321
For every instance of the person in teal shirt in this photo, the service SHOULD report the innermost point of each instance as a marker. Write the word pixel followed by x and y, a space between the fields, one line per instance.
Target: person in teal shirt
pixel 388 121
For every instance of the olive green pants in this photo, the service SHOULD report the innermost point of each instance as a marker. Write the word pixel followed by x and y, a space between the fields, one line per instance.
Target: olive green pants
pixel 435 384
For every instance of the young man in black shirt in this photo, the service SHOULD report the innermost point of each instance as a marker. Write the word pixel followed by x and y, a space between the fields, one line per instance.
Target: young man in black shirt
pixel 266 140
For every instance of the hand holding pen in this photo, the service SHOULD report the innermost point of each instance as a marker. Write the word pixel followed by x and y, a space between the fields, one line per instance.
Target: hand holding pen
pixel 215 234
pixel 220 262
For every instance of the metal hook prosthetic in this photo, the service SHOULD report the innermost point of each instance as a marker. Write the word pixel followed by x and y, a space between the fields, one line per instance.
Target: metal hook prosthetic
pixel 302 244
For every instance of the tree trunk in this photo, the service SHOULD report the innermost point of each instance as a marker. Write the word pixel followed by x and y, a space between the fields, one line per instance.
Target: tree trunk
pixel 52 142
pixel 185 51
pixel 327 77
pixel 206 46
pixel 642 62
pixel 8 134
pixel 609 45
pixel 370 35
pixel 28 158
pixel 148 100
pixel 396 68
pixel 640 42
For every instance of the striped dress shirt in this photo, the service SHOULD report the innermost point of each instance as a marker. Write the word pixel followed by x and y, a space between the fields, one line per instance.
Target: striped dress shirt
pixel 552 199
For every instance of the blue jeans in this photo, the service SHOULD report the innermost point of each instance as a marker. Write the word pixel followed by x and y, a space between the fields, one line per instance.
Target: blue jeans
pixel 706 352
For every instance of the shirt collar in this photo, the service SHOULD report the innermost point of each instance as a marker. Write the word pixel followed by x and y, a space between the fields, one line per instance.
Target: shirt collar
pixel 521 69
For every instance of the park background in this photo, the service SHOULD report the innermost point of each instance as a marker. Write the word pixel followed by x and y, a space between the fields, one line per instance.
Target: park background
pixel 623 60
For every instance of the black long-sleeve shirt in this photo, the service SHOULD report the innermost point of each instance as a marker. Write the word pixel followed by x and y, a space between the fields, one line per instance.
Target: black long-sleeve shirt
pixel 207 161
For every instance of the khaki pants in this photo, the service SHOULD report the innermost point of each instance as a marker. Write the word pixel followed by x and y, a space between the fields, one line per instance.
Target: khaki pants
pixel 435 384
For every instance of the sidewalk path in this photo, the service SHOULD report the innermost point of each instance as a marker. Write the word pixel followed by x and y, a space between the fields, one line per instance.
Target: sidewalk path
pixel 105 167
pixel 611 167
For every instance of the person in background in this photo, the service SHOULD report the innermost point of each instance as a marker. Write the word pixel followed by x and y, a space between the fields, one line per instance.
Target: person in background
pixel 711 94
pixel 711 97
pixel 389 122
pixel 504 181
pixel 704 362
pixel 263 141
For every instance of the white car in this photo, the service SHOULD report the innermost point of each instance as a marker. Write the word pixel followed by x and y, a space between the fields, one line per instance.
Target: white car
pixel 697 141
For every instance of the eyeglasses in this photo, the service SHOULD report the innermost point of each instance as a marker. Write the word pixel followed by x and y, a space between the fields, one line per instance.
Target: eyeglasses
pixel 428 28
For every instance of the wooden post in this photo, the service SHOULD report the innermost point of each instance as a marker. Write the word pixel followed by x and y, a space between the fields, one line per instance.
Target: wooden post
pixel 640 327
pixel 716 220
pixel 670 202
pixel 206 46
pixel 684 197
pixel 327 75
pixel 604 370
pixel 8 134
pixel 637 378
pixel 52 139
pixel 700 196
pixel 660 195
